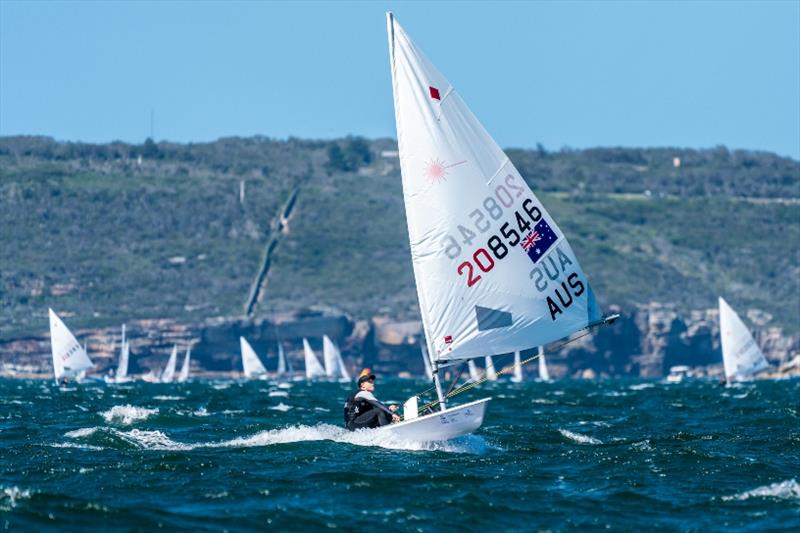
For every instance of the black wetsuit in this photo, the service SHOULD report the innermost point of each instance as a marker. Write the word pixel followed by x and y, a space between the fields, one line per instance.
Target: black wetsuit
pixel 363 410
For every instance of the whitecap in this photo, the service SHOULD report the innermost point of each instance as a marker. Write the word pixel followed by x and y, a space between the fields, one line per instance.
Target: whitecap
pixel 127 414
pixel 76 446
pixel 152 440
pixel 784 490
pixel 80 433
pixel 168 398
pixel 641 386
pixel 201 412
pixel 278 394
pixel 580 439
pixel 10 495
pixel 285 385
pixel 281 407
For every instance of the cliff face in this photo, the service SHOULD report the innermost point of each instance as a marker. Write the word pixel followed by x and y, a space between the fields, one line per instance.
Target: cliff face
pixel 645 342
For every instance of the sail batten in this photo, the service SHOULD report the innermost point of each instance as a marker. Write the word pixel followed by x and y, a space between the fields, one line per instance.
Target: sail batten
pixel 493 271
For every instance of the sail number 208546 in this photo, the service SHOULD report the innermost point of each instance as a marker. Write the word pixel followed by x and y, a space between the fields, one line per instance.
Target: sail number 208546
pixel 482 260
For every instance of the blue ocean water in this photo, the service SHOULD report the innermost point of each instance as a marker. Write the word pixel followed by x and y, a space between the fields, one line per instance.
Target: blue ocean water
pixel 620 454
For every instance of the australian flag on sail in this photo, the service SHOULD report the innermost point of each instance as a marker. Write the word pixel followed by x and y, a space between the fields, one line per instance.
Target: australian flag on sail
pixel 537 242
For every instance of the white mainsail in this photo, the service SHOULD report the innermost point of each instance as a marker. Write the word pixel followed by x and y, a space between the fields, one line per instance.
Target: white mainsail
pixel 169 371
pixel 491 375
pixel 69 357
pixel 741 355
pixel 425 360
pixel 251 364
pixel 313 368
pixel 544 374
pixel 473 371
pixel 283 364
pixel 343 373
pixel 184 373
pixel 517 377
pixel 494 272
pixel 334 366
pixel 124 353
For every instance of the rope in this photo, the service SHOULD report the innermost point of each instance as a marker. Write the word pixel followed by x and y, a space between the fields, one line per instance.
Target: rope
pixel 510 368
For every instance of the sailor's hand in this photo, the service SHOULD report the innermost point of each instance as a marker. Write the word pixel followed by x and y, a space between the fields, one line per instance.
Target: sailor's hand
pixel 393 408
pixel 395 419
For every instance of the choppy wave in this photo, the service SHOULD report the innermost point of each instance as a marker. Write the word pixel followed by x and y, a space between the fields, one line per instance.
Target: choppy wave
pixel 784 490
pixel 282 407
pixel 164 398
pixel 278 394
pixel 580 439
pixel 9 496
pixel 641 386
pixel 127 414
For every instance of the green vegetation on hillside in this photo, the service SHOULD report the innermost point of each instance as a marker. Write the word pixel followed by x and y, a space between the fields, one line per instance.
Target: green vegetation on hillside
pixel 96 231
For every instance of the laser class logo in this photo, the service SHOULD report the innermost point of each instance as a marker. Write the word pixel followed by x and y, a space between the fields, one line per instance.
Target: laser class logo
pixel 436 170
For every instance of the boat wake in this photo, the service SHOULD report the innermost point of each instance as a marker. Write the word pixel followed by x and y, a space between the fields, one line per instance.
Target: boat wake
pixel 157 440
pixel 784 490
pixel 127 414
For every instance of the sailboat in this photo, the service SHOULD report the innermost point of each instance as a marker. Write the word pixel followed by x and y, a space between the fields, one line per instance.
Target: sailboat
pixel 544 374
pixel 121 373
pixel 69 357
pixel 494 273
pixel 284 365
pixel 334 364
pixel 517 377
pixel 473 371
pixel 314 370
pixel 251 364
pixel 183 376
pixel 741 356
pixel 491 373
pixel 169 371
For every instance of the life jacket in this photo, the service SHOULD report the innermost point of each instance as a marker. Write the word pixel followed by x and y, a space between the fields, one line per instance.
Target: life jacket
pixel 353 408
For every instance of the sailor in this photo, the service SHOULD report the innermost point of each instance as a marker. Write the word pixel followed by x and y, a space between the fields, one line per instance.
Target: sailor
pixel 363 410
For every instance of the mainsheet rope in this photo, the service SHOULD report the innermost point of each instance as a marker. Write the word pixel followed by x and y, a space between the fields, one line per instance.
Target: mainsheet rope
pixel 469 384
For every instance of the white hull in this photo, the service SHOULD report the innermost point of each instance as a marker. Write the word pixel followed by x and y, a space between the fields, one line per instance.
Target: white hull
pixel 441 425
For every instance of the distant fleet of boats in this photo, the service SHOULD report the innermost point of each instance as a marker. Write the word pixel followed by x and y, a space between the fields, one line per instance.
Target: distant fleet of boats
pixel 742 359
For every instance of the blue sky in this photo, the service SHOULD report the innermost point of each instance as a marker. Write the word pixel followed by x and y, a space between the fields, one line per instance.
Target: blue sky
pixel 578 74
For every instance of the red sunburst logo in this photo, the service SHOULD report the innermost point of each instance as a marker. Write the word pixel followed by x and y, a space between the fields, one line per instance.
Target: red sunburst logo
pixel 436 169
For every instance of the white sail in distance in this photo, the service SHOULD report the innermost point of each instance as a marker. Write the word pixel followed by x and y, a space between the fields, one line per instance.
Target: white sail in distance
pixel 544 374
pixel 517 377
pixel 494 272
pixel 741 356
pixel 251 364
pixel 473 371
pixel 314 370
pixel 184 373
pixel 124 354
pixel 69 357
pixel 169 371
pixel 491 374
pixel 283 366
pixel 337 353
pixel 329 357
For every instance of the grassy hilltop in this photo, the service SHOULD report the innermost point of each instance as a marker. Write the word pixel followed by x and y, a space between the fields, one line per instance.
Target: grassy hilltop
pixel 116 231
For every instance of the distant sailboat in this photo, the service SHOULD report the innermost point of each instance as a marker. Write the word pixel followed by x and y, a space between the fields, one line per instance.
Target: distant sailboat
pixel 251 364
pixel 741 355
pixel 169 371
pixel 284 365
pixel 314 370
pixel 334 364
pixel 69 357
pixel 480 240
pixel 121 375
pixel 544 374
pixel 491 374
pixel 184 373
pixel 517 377
pixel 473 371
